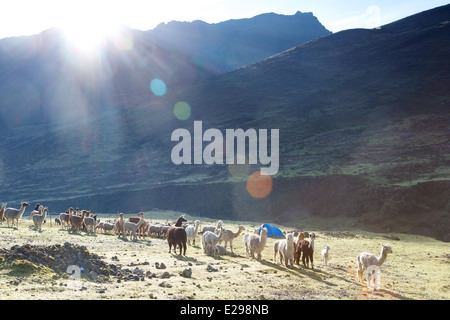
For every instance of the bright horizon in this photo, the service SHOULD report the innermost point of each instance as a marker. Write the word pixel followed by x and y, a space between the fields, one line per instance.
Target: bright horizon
pixel 25 17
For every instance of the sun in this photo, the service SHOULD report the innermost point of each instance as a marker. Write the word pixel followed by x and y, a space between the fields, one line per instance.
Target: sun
pixel 87 26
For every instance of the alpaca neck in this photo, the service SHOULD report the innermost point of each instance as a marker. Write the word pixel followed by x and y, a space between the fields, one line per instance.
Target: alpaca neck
pixel 238 233
pixel 21 211
pixel 312 243
pixel 263 239
pixel 382 257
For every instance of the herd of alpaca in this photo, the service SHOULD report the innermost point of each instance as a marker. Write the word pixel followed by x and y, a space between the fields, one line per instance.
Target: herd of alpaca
pixel 289 250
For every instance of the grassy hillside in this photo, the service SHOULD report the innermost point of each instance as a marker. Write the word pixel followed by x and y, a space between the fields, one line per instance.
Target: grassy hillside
pixel 417 268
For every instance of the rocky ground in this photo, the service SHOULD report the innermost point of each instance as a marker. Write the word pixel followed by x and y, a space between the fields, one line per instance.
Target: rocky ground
pixel 57 264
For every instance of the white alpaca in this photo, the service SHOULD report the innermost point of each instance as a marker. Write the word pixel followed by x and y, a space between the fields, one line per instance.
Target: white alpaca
pixel 12 214
pixel 325 255
pixel 255 243
pixel 210 241
pixel 90 223
pixel 212 228
pixel 38 219
pixel 132 227
pixel 192 232
pixel 286 250
pixel 365 260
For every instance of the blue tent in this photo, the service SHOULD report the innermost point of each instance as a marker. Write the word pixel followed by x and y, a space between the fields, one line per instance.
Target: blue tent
pixel 272 231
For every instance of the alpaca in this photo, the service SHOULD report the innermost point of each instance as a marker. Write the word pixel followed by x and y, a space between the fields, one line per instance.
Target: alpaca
pixel 176 235
pixel 365 260
pixel 12 214
pixel 308 250
pixel 38 211
pixel 105 226
pixel 76 221
pixel 229 236
pixel 192 232
pixel 118 224
pixel 212 228
pixel 2 212
pixel 210 241
pixel 286 250
pixel 221 251
pixel 39 218
pixel 164 229
pixel 64 218
pixel 133 228
pixel 255 243
pixel 154 229
pixel 143 226
pixel 298 248
pixel 90 222
pixel 325 255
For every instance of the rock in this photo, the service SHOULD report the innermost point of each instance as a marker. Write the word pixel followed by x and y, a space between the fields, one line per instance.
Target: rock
pixel 187 273
pixel 210 268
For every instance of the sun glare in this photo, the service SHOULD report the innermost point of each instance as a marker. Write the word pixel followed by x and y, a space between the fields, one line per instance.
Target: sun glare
pixel 88 26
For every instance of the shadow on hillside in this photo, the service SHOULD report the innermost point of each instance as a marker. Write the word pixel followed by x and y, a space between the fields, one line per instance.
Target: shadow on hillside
pixel 299 271
pixel 183 258
pixel 393 294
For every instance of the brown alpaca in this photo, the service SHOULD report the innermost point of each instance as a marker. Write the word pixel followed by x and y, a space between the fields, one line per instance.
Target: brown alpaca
pixel 176 235
pixel 298 248
pixel 2 212
pixel 308 251
pixel 76 221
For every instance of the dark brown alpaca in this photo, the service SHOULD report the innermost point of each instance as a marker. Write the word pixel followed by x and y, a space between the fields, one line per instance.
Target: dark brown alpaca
pixel 298 248
pixel 176 235
pixel 308 250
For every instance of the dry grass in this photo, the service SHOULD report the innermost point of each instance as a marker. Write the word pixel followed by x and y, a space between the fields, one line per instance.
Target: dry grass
pixel 418 268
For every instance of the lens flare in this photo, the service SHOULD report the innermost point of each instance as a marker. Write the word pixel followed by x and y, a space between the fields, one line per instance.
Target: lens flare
pixel 182 110
pixel 259 185
pixel 158 87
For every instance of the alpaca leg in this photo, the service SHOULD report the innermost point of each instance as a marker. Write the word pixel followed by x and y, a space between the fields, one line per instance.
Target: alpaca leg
pixel 360 275
pixel 312 260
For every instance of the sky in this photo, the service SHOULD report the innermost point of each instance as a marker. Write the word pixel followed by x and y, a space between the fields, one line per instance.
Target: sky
pixel 26 17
